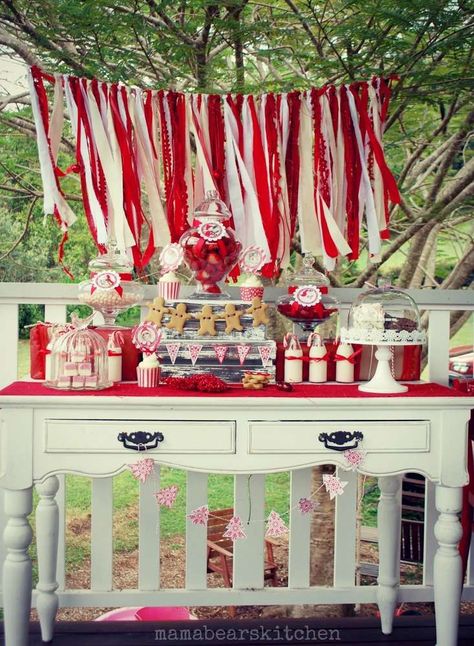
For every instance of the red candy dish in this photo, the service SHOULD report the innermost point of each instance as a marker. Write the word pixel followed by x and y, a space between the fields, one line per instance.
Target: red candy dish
pixel 210 247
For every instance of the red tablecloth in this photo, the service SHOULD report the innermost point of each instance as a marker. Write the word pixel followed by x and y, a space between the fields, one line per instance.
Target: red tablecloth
pixel 33 388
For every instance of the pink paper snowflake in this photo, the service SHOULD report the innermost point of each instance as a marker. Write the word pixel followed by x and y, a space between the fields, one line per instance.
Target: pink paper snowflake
pixel 275 526
pixel 199 516
pixel 167 495
pixel 334 485
pixel 234 529
pixel 354 458
pixel 306 505
pixel 142 468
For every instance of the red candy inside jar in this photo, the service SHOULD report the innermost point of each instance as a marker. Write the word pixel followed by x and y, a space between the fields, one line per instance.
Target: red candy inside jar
pixel 210 247
pixel 307 302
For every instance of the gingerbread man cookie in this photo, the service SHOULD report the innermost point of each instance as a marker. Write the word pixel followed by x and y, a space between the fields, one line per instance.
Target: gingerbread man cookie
pixel 156 311
pixel 259 312
pixel 207 320
pixel 232 318
pixel 178 319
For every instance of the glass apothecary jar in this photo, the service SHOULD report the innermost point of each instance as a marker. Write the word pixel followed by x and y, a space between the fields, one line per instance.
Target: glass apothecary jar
pixel 210 247
pixel 110 288
pixel 308 302
pixel 79 361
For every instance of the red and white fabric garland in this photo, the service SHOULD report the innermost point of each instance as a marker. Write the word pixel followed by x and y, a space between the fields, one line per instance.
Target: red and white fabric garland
pixel 311 161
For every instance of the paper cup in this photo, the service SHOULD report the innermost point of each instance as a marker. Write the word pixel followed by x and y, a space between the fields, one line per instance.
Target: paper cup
pixel 249 293
pixel 148 377
pixel 169 291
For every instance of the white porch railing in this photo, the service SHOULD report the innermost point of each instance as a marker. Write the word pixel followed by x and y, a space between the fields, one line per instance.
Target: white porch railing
pixel 55 297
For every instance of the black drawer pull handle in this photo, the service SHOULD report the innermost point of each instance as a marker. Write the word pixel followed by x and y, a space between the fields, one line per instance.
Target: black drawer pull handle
pixel 341 440
pixel 140 440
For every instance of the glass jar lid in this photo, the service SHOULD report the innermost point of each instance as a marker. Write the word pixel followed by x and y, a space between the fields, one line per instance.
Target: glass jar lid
pixel 113 260
pixel 308 275
pixel 212 207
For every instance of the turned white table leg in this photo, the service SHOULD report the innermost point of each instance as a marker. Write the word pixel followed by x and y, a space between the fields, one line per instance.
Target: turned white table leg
pixel 17 566
pixel 447 573
pixel 388 522
pixel 47 529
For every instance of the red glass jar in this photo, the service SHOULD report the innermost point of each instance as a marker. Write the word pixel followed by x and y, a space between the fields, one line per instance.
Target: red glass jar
pixel 210 248
pixel 307 302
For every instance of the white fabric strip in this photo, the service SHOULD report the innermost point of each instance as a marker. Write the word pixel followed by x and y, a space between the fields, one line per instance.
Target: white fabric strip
pixel 94 205
pixel 365 191
pixel 307 219
pixel 145 158
pixel 52 195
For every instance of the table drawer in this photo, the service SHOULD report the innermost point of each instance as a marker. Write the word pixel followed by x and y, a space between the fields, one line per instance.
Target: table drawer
pixel 115 436
pixel 320 437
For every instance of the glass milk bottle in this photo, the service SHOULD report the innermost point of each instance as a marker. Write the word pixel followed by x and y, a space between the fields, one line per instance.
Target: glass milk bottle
pixel 114 356
pixel 344 363
pixel 293 359
pixel 318 364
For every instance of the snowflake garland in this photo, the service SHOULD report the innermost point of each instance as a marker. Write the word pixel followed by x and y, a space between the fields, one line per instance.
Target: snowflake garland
pixel 167 496
pixel 306 505
pixel 354 458
pixel 199 516
pixel 142 469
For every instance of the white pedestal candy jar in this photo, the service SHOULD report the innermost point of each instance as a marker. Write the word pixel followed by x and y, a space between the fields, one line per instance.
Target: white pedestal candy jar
pixel 383 316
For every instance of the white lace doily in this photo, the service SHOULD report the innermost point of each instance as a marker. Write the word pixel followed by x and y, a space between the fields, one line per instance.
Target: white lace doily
pixel 372 336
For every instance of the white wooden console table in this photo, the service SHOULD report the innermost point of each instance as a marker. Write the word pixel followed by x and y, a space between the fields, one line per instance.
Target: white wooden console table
pixel 44 434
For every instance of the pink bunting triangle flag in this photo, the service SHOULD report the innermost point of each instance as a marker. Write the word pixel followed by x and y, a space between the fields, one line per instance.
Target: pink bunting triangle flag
pixel 221 351
pixel 234 529
pixel 264 352
pixel 275 526
pixel 242 351
pixel 172 350
pixel 194 350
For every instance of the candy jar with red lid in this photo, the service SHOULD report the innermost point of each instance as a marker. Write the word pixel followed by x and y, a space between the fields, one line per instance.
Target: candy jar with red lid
pixel 110 288
pixel 210 247
pixel 307 302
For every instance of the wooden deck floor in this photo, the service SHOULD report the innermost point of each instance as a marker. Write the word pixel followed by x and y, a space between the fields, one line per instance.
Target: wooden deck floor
pixel 360 631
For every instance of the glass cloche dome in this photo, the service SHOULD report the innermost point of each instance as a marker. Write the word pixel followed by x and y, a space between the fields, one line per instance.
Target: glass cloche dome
pixel 79 360
pixel 384 315
pixel 307 302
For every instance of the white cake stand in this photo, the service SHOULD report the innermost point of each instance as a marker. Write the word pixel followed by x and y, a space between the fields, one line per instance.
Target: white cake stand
pixel 383 380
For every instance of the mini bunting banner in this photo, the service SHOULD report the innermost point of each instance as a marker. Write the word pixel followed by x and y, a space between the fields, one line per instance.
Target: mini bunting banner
pixel 142 469
pixel 172 349
pixel 334 485
pixel 221 351
pixel 234 529
pixel 264 352
pixel 194 350
pixel 167 496
pixel 275 526
pixel 242 351
pixel 199 516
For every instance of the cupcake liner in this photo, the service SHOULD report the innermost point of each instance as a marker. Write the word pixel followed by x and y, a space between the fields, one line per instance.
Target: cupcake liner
pixel 169 291
pixel 249 293
pixel 148 377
